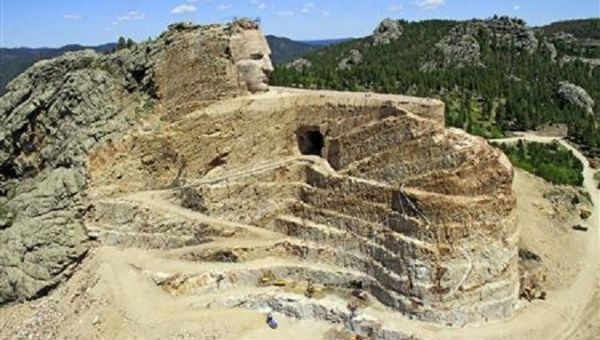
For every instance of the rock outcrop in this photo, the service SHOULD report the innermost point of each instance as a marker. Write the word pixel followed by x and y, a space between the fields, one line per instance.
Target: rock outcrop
pixel 459 49
pixel 51 117
pixel 299 64
pixel 56 112
pixel 386 32
pixel 564 38
pixel 576 95
pixel 513 32
pixel 462 46
pixel 353 58
pixel 551 50
pixel 592 62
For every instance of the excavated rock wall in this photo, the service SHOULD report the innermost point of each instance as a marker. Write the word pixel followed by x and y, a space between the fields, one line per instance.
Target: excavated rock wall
pixel 426 213
pixel 184 55
pixel 422 215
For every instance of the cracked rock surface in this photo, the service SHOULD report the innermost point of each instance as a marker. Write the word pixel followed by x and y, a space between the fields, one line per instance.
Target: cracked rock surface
pixel 56 112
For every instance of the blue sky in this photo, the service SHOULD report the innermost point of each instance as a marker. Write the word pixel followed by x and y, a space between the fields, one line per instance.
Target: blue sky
pixel 55 23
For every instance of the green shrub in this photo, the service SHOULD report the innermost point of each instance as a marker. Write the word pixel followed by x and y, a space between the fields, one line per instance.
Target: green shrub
pixel 552 162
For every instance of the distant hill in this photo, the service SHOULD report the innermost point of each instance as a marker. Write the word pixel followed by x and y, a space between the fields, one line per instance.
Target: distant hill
pixel 326 42
pixel 13 61
pixel 495 75
pixel 284 49
pixel 582 29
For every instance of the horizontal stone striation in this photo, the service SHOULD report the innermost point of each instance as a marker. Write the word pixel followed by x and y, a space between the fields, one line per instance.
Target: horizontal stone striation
pixel 443 273
pixel 302 307
pixel 126 224
pixel 375 137
pixel 435 248
pixel 426 214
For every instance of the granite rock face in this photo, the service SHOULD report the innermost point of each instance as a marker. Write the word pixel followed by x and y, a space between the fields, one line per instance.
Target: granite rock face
pixel 551 50
pixel 52 115
pixel 576 95
pixel 354 58
pixel 462 46
pixel 459 49
pixel 299 64
pixel 513 32
pixel 59 110
pixel 46 238
pixel 386 32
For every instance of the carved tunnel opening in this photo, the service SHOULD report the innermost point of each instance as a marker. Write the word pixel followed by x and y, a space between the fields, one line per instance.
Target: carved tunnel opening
pixel 310 141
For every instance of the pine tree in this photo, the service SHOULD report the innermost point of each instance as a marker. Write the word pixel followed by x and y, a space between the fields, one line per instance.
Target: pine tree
pixel 121 44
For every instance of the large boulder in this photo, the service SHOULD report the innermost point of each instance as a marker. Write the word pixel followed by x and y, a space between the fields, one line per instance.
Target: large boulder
pixel 551 50
pixel 576 95
pixel 458 49
pixel 353 58
pixel 386 32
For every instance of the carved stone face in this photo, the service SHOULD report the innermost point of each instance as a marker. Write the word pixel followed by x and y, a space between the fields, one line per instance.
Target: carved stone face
pixel 251 54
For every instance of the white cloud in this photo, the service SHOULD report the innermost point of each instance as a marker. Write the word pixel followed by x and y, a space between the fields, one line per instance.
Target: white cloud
pixel 325 13
pixel 132 15
pixel 184 8
pixel 259 4
pixel 224 7
pixel 307 7
pixel 285 13
pixel 430 4
pixel 516 7
pixel 395 8
pixel 129 16
pixel 73 16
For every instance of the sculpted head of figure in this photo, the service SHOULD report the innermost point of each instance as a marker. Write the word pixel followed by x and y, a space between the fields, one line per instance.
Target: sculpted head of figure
pixel 251 54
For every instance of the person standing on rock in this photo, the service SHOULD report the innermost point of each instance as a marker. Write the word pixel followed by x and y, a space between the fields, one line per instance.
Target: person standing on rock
pixel 352 307
pixel 271 321
pixel 310 290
